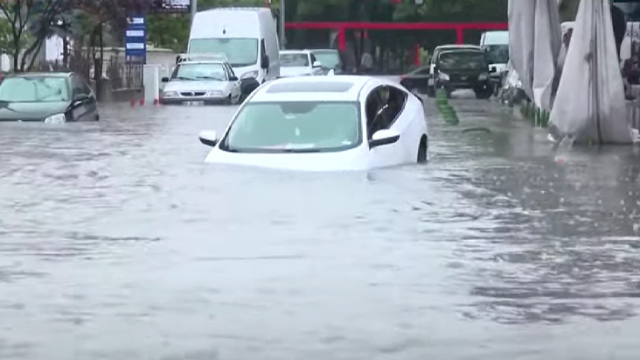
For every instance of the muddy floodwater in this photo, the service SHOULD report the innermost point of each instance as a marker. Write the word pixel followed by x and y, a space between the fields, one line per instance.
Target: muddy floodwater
pixel 118 242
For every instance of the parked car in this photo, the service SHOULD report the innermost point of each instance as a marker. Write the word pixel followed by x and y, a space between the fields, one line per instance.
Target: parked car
pixel 202 78
pixel 434 57
pixel 330 60
pixel 417 80
pixel 324 123
pixel 47 97
pixel 299 63
pixel 463 69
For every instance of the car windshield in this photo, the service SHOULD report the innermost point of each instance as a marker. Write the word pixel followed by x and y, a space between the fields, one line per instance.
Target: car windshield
pixel 199 72
pixel 295 127
pixel 240 51
pixel 294 60
pixel 328 59
pixel 462 60
pixel 34 89
pixel 497 54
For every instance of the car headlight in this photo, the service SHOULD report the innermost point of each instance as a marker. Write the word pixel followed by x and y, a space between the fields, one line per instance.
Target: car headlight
pixel 484 76
pixel 56 119
pixel 214 93
pixel 169 94
pixel 250 74
pixel 444 77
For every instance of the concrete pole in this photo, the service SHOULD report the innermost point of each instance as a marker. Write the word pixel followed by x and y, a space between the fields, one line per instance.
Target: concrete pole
pixel 194 9
pixel 283 40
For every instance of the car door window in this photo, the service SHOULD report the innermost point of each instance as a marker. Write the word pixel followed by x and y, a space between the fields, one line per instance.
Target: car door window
pixel 373 105
pixel 383 107
pixel 396 101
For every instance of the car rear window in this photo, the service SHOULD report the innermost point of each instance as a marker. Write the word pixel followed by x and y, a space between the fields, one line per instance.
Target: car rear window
pixel 310 87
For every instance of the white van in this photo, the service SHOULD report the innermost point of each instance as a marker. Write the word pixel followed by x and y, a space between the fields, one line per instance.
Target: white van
pixel 496 47
pixel 246 36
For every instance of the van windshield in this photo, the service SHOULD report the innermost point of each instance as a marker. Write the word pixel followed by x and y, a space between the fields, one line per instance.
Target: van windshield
pixel 239 51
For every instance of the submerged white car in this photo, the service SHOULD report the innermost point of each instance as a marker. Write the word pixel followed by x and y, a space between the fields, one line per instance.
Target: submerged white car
pixel 300 63
pixel 328 123
pixel 205 79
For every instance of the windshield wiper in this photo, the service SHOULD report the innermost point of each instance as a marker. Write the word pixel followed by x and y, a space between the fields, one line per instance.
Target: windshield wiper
pixel 183 78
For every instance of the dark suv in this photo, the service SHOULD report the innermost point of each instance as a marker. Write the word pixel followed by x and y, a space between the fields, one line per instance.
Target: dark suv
pixel 463 69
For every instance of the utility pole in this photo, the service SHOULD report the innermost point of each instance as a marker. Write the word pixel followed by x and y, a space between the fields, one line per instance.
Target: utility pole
pixel 283 41
pixel 194 9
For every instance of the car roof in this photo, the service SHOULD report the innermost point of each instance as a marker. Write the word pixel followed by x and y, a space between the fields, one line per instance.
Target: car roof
pixel 202 62
pixel 450 51
pixel 49 74
pixel 313 88
pixel 458 46
pixel 294 51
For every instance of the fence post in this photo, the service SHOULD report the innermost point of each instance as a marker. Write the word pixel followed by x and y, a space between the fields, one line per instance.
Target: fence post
pixel 460 34
pixel 342 39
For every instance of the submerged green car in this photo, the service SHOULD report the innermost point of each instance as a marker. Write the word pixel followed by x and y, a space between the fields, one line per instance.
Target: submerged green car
pixel 47 97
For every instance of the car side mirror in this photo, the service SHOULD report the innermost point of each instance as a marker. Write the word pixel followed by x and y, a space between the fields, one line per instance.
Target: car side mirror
pixel 384 137
pixel 165 79
pixel 233 78
pixel 80 98
pixel 264 62
pixel 317 64
pixel 209 138
pixel 493 69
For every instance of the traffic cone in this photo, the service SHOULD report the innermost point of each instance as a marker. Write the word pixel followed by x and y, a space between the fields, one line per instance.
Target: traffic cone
pixel 142 102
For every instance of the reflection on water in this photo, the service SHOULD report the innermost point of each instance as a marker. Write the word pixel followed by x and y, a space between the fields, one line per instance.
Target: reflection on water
pixel 117 241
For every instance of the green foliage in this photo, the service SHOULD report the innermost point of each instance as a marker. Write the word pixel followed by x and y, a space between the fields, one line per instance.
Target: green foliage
pixel 169 31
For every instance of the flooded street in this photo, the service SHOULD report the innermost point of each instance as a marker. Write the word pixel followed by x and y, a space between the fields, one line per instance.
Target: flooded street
pixel 118 242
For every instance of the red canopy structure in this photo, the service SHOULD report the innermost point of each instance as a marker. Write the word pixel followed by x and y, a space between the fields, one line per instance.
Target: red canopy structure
pixel 342 27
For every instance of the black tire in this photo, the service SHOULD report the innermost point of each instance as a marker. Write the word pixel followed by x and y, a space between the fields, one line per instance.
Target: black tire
pixel 228 101
pixel 423 150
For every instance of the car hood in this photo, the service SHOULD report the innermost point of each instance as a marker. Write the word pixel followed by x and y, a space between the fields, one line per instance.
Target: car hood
pixel 193 85
pixel 349 160
pixel 32 111
pixel 294 71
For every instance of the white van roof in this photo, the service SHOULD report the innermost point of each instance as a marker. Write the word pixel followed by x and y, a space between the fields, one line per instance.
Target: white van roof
pixel 495 37
pixel 234 22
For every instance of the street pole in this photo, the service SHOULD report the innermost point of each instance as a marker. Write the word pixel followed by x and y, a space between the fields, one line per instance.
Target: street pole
pixel 194 9
pixel 283 41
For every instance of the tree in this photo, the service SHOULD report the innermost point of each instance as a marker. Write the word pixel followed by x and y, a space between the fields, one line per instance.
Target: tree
pixel 30 24
pixel 172 30
pixel 92 18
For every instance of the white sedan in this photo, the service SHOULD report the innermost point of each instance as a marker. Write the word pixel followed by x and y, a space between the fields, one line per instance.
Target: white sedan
pixel 328 123
pixel 299 63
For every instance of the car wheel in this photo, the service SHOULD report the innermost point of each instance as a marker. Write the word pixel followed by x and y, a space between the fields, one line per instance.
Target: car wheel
pixel 229 101
pixel 422 150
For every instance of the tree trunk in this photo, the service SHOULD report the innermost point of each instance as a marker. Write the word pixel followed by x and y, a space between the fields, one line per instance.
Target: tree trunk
pixel 16 53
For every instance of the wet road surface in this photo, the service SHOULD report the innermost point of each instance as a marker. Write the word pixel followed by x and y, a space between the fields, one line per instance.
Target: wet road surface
pixel 117 242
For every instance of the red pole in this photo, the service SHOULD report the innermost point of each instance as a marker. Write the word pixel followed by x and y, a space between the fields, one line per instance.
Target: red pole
pixel 342 39
pixel 460 34
pixel 417 55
